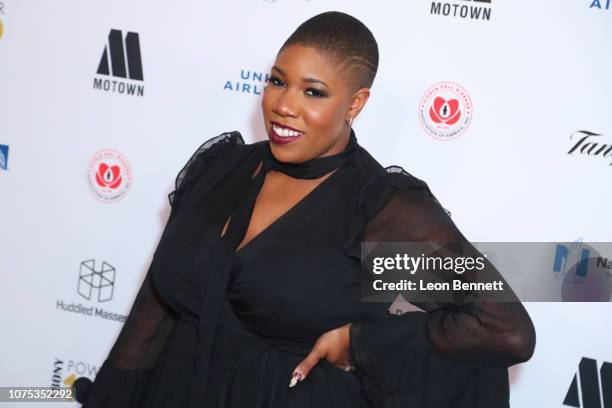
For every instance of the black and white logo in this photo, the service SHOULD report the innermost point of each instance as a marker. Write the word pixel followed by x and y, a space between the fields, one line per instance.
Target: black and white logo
pixel 590 388
pixel 121 60
pixel 96 283
pixel 464 9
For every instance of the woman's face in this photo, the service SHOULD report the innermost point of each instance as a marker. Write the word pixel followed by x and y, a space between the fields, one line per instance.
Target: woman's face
pixel 306 103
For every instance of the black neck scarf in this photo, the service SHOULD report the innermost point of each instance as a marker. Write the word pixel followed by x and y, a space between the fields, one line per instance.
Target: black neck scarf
pixel 313 168
pixel 218 273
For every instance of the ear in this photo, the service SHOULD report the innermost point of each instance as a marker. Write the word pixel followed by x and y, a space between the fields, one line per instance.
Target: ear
pixel 358 101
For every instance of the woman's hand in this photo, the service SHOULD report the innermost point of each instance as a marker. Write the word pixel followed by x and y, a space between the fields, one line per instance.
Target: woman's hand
pixel 332 345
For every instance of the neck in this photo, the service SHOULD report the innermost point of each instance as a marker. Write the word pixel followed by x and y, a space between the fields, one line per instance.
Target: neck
pixel 316 167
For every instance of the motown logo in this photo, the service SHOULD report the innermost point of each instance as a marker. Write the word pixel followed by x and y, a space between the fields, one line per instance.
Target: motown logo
pixel 445 111
pixel 109 175
pixel 96 283
pixel 4 152
pixel 595 389
pixel 122 61
pixel 467 9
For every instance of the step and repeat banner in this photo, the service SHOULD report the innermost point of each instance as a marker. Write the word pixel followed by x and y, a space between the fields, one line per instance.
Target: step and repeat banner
pixel 503 107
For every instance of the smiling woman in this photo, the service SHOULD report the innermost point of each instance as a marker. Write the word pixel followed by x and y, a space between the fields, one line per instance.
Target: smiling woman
pixel 253 295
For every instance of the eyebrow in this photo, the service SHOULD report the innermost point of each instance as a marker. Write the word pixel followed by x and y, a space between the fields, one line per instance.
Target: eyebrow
pixel 308 80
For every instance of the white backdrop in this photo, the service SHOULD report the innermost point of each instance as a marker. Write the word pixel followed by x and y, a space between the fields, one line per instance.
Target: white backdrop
pixel 535 73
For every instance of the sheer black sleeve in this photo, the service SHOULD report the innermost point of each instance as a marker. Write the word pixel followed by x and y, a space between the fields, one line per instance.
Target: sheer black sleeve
pixel 451 355
pixel 123 377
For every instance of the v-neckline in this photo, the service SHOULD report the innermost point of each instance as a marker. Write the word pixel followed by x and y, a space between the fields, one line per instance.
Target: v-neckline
pixel 287 213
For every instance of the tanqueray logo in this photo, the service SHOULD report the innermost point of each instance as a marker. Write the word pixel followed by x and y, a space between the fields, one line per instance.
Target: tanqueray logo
pixel 121 59
pixel 589 144
pixel 595 387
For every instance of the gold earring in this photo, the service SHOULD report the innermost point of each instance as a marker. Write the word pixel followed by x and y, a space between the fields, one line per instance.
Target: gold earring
pixel 349 121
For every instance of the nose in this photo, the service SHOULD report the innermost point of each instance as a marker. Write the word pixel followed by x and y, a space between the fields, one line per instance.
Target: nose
pixel 286 104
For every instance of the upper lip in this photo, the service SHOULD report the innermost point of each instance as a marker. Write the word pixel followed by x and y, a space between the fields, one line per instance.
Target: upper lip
pixel 285 126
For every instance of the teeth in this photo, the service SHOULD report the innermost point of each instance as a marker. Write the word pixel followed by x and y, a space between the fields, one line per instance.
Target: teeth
pixel 284 132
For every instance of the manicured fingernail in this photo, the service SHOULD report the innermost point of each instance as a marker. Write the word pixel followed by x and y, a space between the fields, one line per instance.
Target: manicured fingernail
pixel 297 376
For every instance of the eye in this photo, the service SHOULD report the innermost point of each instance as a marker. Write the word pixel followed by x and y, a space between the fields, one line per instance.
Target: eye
pixel 315 93
pixel 276 81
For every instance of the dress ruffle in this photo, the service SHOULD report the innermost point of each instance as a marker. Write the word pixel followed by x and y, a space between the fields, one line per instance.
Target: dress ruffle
pixel 378 186
pixel 117 387
pixel 200 161
pixel 401 369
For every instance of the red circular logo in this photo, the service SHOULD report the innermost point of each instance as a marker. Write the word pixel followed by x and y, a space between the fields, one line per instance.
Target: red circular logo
pixel 445 111
pixel 109 175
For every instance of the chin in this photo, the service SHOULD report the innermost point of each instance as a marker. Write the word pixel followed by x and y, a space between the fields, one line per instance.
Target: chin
pixel 286 154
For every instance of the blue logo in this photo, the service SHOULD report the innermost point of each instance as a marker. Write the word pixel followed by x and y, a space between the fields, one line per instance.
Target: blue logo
pixel 598 4
pixel 4 150
pixel 563 254
pixel 250 82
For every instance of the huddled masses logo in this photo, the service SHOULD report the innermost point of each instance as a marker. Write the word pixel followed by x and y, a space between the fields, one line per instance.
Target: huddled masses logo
pixel 445 111
pixel 590 144
pixel 109 175
pixel 468 9
pixel 121 59
pixel 595 389
pixel 250 82
pixel 600 4
pixel 96 283
pixel 4 153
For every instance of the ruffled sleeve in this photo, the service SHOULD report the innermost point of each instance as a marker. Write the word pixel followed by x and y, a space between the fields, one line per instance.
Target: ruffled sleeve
pixel 199 162
pixel 451 355
pixel 124 376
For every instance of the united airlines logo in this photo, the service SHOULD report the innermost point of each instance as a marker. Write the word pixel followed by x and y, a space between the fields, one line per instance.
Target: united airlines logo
pixel 590 388
pixel 249 82
pixel 121 59
pixel 4 151
pixel 95 283
pixel 600 4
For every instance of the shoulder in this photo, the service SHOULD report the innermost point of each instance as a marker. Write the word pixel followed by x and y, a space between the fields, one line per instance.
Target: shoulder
pixel 383 184
pixel 205 157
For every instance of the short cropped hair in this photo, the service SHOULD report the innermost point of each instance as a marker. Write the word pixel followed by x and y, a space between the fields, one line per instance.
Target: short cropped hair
pixel 344 38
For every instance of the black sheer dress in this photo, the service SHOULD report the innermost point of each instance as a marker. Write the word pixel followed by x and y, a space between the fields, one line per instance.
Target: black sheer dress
pixel 212 327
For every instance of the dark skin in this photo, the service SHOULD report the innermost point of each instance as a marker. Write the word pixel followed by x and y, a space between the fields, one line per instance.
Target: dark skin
pixel 309 92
